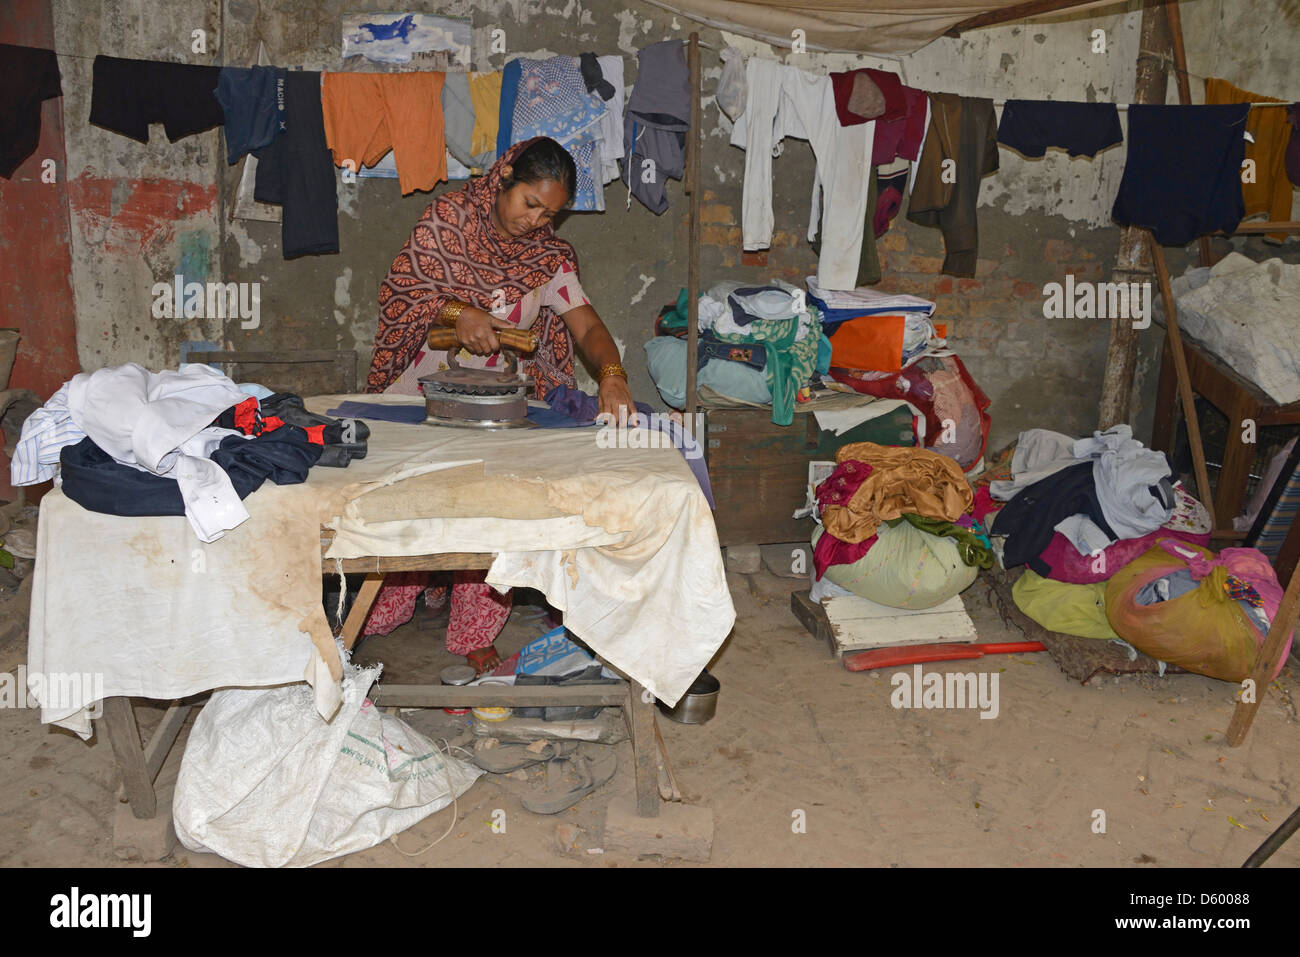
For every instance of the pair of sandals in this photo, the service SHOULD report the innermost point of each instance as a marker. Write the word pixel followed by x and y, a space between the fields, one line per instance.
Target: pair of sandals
pixel 573 770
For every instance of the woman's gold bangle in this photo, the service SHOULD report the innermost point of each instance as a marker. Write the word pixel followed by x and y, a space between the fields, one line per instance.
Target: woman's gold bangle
pixel 612 368
pixel 449 313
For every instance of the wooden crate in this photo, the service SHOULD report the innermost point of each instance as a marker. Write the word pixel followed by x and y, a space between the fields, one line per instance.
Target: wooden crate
pixel 759 471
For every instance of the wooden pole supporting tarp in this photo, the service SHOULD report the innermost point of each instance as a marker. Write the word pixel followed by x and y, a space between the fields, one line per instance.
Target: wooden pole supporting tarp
pixel 1132 262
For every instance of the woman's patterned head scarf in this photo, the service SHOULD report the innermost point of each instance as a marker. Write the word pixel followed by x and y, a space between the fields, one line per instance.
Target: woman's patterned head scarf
pixel 456 253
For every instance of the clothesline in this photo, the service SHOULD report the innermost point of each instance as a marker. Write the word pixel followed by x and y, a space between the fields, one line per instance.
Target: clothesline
pixel 1122 107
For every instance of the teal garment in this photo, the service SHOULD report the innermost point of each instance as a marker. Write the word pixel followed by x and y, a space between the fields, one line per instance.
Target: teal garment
pixel 677 317
pixel 823 355
pixel 790 364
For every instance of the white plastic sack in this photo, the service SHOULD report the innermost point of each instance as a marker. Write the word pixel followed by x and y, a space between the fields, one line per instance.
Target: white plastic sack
pixel 266 782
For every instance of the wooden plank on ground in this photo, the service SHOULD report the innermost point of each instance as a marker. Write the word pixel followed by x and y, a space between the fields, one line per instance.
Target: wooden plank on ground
pixel 857 624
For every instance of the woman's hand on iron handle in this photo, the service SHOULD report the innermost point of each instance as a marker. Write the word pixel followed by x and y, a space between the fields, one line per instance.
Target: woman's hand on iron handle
pixel 477 331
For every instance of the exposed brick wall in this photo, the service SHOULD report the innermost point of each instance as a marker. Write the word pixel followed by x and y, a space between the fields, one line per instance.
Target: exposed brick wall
pixel 1037 371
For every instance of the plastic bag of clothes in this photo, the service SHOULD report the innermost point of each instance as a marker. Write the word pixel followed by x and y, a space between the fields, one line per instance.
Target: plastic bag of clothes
pixel 905 568
pixel 1179 603
pixel 954 407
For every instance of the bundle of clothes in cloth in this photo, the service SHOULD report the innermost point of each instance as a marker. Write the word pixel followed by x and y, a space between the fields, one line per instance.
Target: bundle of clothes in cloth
pixel 127 441
pixel 1115 550
pixel 898 528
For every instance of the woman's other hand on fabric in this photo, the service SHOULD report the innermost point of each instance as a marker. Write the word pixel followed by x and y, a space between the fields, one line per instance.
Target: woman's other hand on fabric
pixel 615 398
pixel 477 331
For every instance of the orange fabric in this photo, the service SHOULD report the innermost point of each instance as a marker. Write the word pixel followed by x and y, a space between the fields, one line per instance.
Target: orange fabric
pixel 873 343
pixel 1271 192
pixel 368 114
pixel 902 481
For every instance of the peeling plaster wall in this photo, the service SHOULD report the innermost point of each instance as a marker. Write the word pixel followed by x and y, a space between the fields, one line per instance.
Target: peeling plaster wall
pixel 140 212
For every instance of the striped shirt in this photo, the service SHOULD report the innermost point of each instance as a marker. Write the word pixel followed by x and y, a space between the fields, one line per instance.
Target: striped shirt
pixel 45 433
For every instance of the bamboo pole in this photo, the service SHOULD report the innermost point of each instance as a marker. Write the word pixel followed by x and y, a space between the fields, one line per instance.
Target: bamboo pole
pixel 1266 662
pixel 693 236
pixel 1131 262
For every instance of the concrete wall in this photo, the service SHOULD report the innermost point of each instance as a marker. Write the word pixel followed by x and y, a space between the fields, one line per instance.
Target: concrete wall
pixel 140 214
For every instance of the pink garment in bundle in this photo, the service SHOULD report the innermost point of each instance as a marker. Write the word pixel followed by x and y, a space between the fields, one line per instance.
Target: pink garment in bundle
pixel 830 550
pixel 1067 565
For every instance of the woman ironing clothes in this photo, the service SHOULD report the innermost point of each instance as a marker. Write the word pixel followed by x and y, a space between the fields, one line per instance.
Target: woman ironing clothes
pixel 481 259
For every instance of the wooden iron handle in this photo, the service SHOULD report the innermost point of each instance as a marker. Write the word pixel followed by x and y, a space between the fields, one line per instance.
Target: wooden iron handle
pixel 520 340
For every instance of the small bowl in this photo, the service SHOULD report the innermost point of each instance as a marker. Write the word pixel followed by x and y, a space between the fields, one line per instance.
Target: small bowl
pixel 492 715
pixel 699 704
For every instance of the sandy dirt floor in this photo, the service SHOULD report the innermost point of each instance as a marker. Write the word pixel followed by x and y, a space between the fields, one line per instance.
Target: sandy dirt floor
pixel 805 765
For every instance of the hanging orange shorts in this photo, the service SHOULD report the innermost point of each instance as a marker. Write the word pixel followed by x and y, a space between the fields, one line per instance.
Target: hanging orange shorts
pixel 368 114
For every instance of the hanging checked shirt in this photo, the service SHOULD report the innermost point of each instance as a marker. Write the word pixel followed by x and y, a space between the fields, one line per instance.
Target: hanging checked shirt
pixel 552 100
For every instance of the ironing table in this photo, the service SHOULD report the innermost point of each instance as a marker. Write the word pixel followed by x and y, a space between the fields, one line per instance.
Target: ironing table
pixel 619 539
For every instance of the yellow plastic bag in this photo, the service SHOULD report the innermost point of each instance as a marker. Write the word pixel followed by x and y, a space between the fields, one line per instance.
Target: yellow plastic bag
pixel 1203 631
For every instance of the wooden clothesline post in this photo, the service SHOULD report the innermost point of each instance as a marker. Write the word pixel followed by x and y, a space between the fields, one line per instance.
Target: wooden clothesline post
pixel 693 236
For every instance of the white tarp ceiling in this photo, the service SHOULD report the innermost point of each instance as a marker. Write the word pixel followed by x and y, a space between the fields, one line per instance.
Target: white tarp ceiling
pixel 856 26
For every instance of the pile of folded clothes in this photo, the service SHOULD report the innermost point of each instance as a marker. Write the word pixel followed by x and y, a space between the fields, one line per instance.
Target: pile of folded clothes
pixel 889 347
pixel 759 344
pixel 127 441
pixel 898 527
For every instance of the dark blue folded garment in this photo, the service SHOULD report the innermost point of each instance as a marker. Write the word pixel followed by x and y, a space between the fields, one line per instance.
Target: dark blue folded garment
pixel 96 481
pixel 408 414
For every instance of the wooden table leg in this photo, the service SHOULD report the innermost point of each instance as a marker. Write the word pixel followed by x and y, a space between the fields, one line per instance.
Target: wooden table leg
pixel 124 736
pixel 1162 428
pixel 641 719
pixel 356 619
pixel 1237 459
